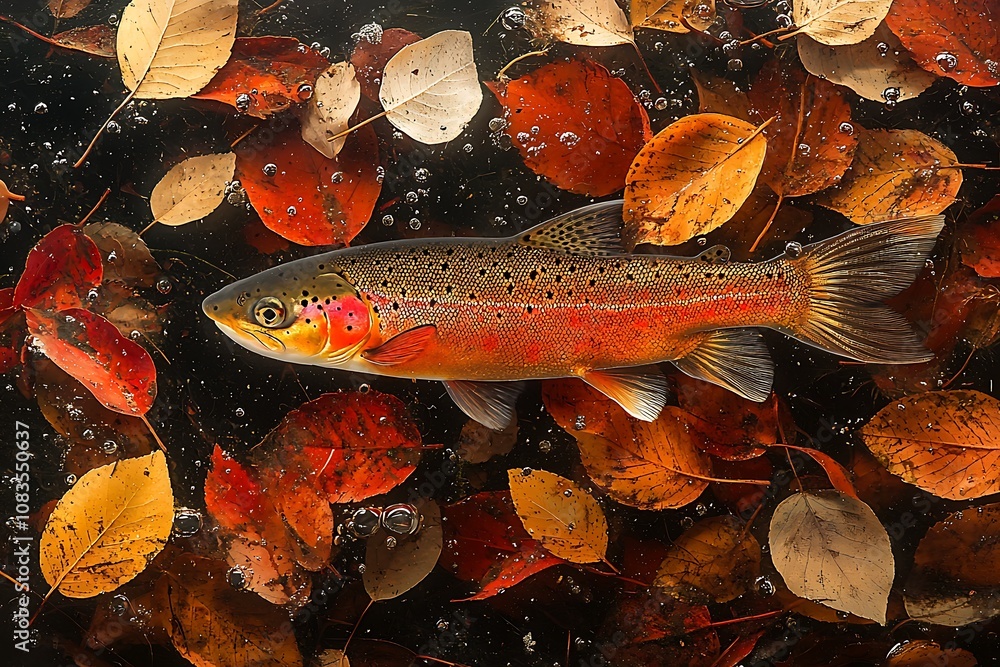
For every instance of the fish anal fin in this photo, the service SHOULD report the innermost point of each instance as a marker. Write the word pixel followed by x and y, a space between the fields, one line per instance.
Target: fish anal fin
pixel 717 254
pixel 404 346
pixel 736 359
pixel 591 230
pixel 489 403
pixel 642 391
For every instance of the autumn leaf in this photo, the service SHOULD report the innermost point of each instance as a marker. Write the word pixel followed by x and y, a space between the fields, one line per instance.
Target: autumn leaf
pixel 672 15
pixel 691 177
pixel 93 40
pixel 478 443
pixel 192 189
pixel 895 174
pixel 330 109
pixel 127 258
pixel 67 9
pixel 265 75
pixel 831 548
pixel 923 652
pixel 716 560
pixel 393 569
pixel 979 240
pixel 60 271
pixel 332 658
pixel 575 124
pixel 720 95
pixel 946 442
pixel 837 22
pixel 559 514
pixel 371 54
pixel 107 528
pixel 530 559
pixel 580 22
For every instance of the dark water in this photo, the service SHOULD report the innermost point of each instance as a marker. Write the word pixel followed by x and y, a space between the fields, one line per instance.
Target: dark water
pixel 213 393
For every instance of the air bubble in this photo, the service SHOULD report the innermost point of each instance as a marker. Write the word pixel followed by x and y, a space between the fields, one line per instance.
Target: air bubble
pixel 187 522
pixel 292 211
pixel 238 577
pixel 414 223
pixel 411 198
pixel 337 177
pixel 513 18
pixel 41 108
pixel 240 412
pixel 421 175
pixel 243 102
pixel 387 220
pixel 522 200
pixel 793 249
pixel 270 170
pixel 847 128
pixel 946 61
pixel 305 92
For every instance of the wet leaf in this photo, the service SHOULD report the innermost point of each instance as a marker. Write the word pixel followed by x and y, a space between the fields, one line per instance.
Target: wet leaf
pixel 127 259
pixel 192 189
pixel 979 240
pixel 808 148
pixel 305 197
pixel 119 372
pixel 839 477
pixel 945 442
pixel 895 174
pixel 370 56
pixel 265 75
pixel 958 39
pixel 332 658
pixel 580 22
pixel 955 578
pixel 719 95
pixel 478 443
pixel 60 271
pixel 671 15
pixel 922 653
pixel 392 571
pixel 172 48
pixel 530 559
pixel 691 177
pixel 559 514
pixel 330 109
pixel 430 89
pixel 67 9
pixel 107 528
pixel 715 560
pixel 575 124
pixel 94 40
pixel 837 22
pixel 831 548
pixel 867 68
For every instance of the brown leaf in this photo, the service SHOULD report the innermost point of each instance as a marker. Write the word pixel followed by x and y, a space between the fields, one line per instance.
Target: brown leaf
pixel 478 443
pixel 67 9
pixel 393 570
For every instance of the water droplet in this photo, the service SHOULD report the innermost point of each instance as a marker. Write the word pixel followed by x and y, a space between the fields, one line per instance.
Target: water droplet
pixel 163 286
pixel 379 174
pixel 240 412
pixel 387 220
pixel 411 197
pixel 305 92
pixel 522 200
pixel 401 519
pixel 113 127
pixel 764 587
pixel 187 522
pixel 88 434
pixel 882 48
pixel 701 241
pixel 41 108
pixel 946 61
pixel 734 65
pixel 113 19
pixel 119 605
pixel 467 148
pixel 421 175
pixel 891 95
pixel 364 388
pixel 243 102
pixel 661 103
pixel 525 472
pixel 364 522
pixel 512 18
pixel 568 493
pixel 580 423
pixel 337 177
pixel 414 223
pixel 270 169
pixel 497 124
pixel 784 20
pixel 109 447
pixel 969 108
pixel 544 446
pixel 847 128
pixel 292 211
pixel 238 577
pixel 390 542
pixel 793 249
pixel 71 479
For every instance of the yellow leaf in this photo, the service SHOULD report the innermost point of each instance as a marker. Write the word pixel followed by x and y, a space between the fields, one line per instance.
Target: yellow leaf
pixel 107 528
pixel 691 177
pixel 335 97
pixel 172 48
pixel 837 22
pixel 580 22
pixel 559 514
pixel 332 658
pixel 392 571
pixel 666 15
pixel 945 442
pixel 831 548
pixel 192 189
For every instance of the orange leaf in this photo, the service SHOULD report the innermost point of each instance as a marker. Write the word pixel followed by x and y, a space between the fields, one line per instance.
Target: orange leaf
pixel 531 558
pixel 60 271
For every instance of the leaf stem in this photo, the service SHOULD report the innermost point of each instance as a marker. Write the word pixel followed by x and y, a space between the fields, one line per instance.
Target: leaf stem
pixel 763 232
pixel 98 205
pixel 359 125
pixel 645 67
pixel 523 56
pixel 744 619
pixel 153 432
pixel 357 625
pixel 93 142
pixel 765 35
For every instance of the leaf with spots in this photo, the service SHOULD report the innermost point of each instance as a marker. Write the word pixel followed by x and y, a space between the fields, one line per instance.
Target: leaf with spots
pixel 391 571
pixel 563 517
pixel 107 528
pixel 192 189
pixel 672 15
pixel 127 258
pixel 67 9
pixel 371 53
pixel 575 124
pixel 60 271
pixel 530 559
pixel 837 22
pixel 330 109
pixel 945 442
pixel 579 22
pixel 979 240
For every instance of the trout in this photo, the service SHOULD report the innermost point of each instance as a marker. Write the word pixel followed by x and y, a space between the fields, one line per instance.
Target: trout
pixel 565 299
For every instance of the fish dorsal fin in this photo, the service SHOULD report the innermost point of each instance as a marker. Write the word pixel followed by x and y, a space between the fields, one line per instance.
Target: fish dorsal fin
pixel 402 347
pixel 717 254
pixel 642 392
pixel 489 403
pixel 591 230
pixel 736 359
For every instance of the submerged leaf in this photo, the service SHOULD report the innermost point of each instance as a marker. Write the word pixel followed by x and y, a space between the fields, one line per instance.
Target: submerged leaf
pixel 67 9
pixel 192 189
pixel 672 15
pixel 330 109
pixel 923 653
pixel 60 271
pixel 393 570
pixel 371 54
pixel 580 22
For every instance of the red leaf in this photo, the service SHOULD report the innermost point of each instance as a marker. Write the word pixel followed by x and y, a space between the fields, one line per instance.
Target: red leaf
pixel 531 558
pixel 575 124
pixel 8 359
pixel 738 650
pixel 480 532
pixel 369 58
pixel 301 202
pixel 980 240
pixel 119 373
pixel 838 475
pixel 232 493
pixel 271 71
pixel 59 271
pixel 354 446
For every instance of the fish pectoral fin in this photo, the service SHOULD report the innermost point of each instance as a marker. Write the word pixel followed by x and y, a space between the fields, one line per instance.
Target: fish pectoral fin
pixel 402 347
pixel 489 403
pixel 642 391
pixel 591 230
pixel 736 359
pixel 717 254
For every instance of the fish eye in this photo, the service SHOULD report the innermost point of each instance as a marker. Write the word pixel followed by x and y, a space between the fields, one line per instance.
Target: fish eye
pixel 269 312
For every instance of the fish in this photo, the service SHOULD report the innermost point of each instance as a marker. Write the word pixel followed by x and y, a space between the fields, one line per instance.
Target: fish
pixel 566 299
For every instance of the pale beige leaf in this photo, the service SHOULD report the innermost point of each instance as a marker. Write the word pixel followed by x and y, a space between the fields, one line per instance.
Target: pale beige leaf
pixel 107 528
pixel 332 658
pixel 67 9
pixel 335 97
pixel 430 89
pixel 173 48
pixel 868 68
pixel 559 514
pixel 837 22
pixel 192 189
pixel 390 572
pixel 580 22
pixel 945 442
pixel 831 548
pixel 666 15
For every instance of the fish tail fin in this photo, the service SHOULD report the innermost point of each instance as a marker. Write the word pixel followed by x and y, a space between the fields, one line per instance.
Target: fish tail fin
pixel 849 277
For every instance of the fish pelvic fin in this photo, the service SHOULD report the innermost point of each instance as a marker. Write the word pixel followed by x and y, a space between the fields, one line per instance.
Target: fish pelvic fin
pixel 849 277
pixel 735 359
pixel 489 403
pixel 641 392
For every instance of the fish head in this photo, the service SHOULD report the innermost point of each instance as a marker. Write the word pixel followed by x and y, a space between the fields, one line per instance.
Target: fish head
pixel 307 313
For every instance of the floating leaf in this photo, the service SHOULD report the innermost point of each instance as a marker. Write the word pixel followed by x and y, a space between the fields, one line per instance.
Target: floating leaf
pixel 873 71
pixel 529 560
pixel 371 54
pixel 107 528
pixel 716 560
pixel 67 9
pixel 691 177
pixel 265 75
pixel 119 372
pixel 580 22
pixel 330 109
pixel 946 442
pixel 305 197
pixel 60 271
pixel 837 22
pixel 923 653
pixel 575 124
pixel 955 578
pixel 192 189
pixel 94 40
pixel 672 15
pixel 895 174
pixel 831 548
pixel 559 514
pixel 391 571
pixel 430 89
pixel 958 39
